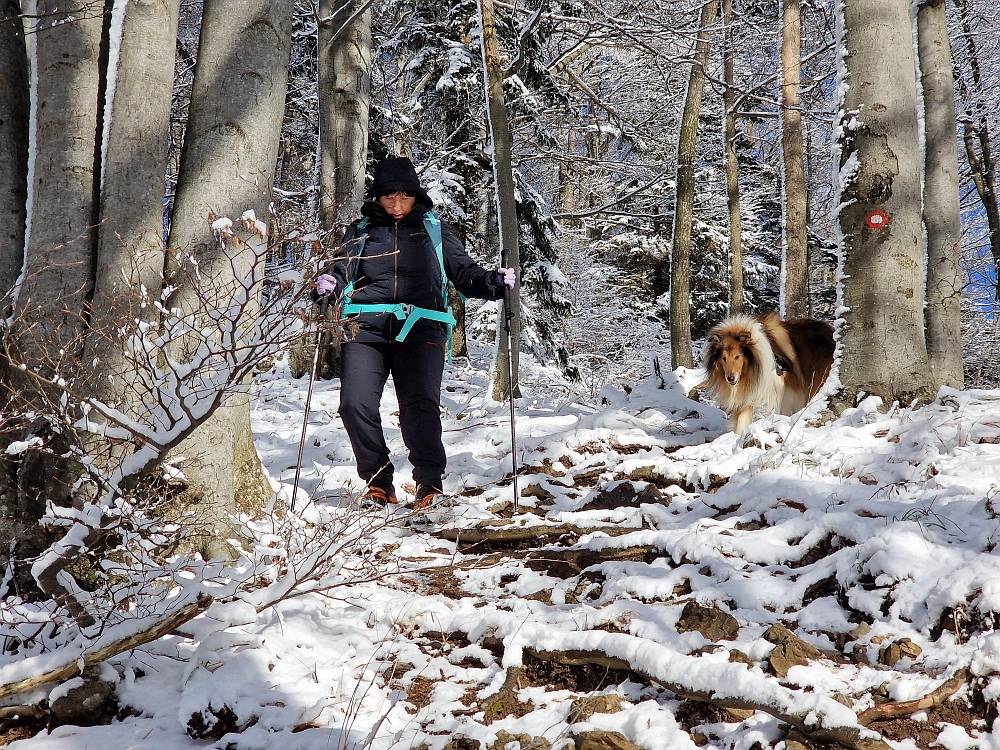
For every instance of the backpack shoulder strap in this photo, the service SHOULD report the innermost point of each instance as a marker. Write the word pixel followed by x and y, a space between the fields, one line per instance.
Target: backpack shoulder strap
pixel 433 226
pixel 359 238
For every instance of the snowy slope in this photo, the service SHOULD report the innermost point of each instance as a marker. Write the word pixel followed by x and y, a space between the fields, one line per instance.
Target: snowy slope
pixel 855 536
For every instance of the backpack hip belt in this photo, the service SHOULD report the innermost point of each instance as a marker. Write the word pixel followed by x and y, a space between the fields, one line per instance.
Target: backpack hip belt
pixel 409 313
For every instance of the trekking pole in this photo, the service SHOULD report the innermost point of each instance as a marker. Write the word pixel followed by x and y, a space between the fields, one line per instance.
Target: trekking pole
pixel 508 316
pixel 324 304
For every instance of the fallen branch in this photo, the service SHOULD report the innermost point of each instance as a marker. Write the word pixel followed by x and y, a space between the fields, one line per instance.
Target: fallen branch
pixel 728 686
pixel 490 535
pixel 905 708
pixel 62 666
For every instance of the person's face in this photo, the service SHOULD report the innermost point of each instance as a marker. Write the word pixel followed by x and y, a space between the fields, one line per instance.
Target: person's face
pixel 397 204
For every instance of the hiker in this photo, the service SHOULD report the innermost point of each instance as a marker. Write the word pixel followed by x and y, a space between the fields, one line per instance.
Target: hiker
pixel 390 284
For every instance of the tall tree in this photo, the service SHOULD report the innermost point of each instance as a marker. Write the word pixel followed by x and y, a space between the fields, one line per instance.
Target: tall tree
pixel 130 244
pixel 62 233
pixel 344 72
pixel 680 256
pixel 884 351
pixel 977 139
pixel 504 383
pixel 13 146
pixel 732 166
pixel 795 263
pixel 344 64
pixel 227 167
pixel 942 220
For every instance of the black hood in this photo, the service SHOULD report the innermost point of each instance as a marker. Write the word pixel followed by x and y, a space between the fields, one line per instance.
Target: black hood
pixel 397 173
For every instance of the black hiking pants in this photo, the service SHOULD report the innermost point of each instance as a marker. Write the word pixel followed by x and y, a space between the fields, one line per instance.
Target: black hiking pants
pixel 416 368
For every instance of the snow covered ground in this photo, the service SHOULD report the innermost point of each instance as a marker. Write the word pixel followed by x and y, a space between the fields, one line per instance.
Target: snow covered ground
pixel 653 558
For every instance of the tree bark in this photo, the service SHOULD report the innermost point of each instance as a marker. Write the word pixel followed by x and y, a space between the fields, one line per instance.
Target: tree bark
pixel 61 234
pixel 227 167
pixel 344 70
pixel 344 87
pixel 130 244
pixel 504 383
pixel 795 271
pixel 884 350
pixel 732 169
pixel 13 147
pixel 680 255
pixel 50 310
pixel 942 212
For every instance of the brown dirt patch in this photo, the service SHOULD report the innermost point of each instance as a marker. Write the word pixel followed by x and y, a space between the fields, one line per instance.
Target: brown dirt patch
pixel 583 678
pixel 443 581
pixel 21 730
pixel 925 732
pixel 691 714
pixel 419 693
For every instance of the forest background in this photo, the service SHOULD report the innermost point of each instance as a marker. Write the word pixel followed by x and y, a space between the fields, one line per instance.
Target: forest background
pixel 174 171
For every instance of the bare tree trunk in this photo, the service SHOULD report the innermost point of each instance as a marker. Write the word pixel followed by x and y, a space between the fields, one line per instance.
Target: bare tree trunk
pixel 884 350
pixel 504 383
pixel 344 69
pixel 13 147
pixel 680 256
pixel 227 167
pixel 131 232
pixel 942 219
pixel 975 127
pixel 61 233
pixel 50 311
pixel 795 271
pixel 732 169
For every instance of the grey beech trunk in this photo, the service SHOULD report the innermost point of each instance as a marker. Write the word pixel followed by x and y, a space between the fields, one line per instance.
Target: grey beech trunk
pixel 61 233
pixel 942 212
pixel 227 166
pixel 680 254
pixel 883 347
pixel 344 86
pixel 795 261
pixel 13 147
pixel 732 167
pixel 130 244
pixel 504 383
pixel 344 70
pixel 50 320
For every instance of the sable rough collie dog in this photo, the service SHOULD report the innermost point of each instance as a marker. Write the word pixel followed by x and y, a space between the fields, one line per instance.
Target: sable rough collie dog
pixel 766 363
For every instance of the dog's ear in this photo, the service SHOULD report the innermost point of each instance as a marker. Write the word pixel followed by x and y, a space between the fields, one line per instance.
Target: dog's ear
pixel 745 339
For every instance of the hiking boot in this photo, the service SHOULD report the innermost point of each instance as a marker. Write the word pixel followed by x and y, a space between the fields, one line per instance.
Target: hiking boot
pixel 377 496
pixel 426 494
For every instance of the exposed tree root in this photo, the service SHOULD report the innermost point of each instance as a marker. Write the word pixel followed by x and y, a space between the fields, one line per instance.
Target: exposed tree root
pixel 848 736
pixel 76 659
pixel 905 708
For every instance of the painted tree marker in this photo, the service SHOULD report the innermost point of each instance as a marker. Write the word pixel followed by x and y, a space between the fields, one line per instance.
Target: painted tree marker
pixel 877 219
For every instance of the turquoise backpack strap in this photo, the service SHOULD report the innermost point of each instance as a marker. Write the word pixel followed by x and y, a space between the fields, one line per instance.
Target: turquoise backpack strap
pixel 359 237
pixel 432 224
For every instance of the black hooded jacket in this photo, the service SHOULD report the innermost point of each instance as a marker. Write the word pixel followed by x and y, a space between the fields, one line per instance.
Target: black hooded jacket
pixel 399 264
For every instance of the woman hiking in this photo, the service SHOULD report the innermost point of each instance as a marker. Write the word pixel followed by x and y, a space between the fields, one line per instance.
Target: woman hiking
pixel 391 283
